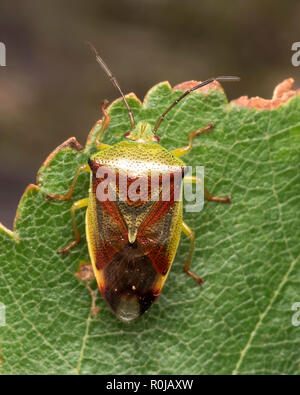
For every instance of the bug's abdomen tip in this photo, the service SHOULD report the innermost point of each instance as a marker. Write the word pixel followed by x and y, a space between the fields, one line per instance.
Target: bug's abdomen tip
pixel 129 305
pixel 128 309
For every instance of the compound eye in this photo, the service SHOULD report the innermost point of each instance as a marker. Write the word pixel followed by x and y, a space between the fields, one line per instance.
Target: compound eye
pixel 156 138
pixel 127 135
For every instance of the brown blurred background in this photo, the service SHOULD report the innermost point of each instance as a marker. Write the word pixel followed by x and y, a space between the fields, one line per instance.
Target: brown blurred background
pixel 51 87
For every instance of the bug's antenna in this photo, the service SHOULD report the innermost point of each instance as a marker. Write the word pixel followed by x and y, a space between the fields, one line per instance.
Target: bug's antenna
pixel 222 79
pixel 114 82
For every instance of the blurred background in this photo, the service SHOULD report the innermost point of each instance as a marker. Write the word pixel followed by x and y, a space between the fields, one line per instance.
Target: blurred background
pixel 51 87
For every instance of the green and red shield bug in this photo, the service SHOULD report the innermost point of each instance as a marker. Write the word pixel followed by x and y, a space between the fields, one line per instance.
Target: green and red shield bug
pixel 132 242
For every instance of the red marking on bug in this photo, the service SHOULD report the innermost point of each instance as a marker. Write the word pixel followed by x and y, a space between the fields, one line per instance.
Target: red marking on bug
pixel 159 259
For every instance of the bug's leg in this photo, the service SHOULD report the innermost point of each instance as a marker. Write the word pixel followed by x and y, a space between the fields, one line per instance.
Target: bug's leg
pixel 104 124
pixel 69 194
pixel 221 199
pixel 85 273
pixel 208 196
pixel 191 235
pixel 75 206
pixel 185 150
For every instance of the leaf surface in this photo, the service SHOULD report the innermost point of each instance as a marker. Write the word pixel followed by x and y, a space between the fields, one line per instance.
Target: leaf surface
pixel 239 321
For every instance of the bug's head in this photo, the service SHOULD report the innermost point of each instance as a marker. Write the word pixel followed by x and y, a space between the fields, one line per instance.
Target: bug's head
pixel 142 133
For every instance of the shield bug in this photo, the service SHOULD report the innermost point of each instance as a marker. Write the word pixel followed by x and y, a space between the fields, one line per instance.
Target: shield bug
pixel 132 239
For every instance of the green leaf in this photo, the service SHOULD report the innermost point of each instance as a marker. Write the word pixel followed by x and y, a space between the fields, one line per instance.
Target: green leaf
pixel 239 321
